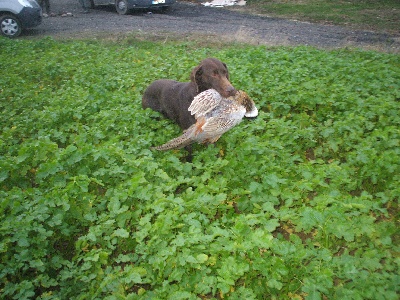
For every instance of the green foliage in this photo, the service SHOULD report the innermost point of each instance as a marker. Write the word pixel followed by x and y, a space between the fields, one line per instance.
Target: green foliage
pixel 300 203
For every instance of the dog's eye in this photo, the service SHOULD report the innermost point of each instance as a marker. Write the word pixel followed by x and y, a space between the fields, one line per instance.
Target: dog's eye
pixel 215 73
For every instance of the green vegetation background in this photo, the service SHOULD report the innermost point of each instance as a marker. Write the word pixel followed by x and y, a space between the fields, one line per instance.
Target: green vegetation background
pixel 301 202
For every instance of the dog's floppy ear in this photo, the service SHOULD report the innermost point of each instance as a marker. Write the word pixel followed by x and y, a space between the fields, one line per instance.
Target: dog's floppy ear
pixel 197 78
pixel 227 71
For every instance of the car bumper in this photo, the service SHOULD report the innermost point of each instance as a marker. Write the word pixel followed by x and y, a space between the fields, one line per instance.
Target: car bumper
pixel 30 17
pixel 150 3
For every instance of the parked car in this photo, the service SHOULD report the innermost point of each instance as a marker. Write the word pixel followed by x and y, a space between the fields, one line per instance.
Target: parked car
pixel 123 7
pixel 16 15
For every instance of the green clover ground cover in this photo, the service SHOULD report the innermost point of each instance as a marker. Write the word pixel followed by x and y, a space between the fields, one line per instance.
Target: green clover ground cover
pixel 300 203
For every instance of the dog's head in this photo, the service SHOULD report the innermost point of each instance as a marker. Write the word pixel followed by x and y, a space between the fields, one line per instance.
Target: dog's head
pixel 211 73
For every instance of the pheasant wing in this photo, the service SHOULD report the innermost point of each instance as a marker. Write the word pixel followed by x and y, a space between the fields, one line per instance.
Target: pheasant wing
pixel 218 125
pixel 204 102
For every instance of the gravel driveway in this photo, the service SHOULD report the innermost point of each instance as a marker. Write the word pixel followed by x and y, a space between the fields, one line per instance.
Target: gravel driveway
pixel 194 20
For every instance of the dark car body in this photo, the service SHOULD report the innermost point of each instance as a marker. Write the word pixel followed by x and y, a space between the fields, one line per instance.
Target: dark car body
pixel 16 15
pixel 124 6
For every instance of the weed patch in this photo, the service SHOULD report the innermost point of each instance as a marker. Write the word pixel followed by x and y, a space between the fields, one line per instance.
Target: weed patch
pixel 301 202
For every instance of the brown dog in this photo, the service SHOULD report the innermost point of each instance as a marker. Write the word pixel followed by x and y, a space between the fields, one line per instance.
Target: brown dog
pixel 172 98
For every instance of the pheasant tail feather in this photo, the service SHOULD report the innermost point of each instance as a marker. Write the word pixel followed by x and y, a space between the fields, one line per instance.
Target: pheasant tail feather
pixel 181 141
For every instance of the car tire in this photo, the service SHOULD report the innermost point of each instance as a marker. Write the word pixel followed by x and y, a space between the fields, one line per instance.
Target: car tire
pixel 122 7
pixel 10 26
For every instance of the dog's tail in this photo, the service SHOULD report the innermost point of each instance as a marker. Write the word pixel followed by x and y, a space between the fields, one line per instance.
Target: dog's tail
pixel 184 140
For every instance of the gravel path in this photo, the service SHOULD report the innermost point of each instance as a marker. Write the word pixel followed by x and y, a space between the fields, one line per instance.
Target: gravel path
pixel 194 20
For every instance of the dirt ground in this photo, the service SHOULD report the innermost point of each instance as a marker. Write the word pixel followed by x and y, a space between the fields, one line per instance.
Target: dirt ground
pixel 190 20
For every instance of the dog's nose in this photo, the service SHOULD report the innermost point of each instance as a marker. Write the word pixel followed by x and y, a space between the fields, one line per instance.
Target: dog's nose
pixel 230 90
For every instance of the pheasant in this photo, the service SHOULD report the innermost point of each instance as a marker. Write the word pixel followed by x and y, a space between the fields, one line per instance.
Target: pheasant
pixel 214 116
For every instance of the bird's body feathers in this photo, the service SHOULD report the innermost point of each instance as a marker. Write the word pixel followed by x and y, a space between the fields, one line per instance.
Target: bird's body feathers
pixel 214 115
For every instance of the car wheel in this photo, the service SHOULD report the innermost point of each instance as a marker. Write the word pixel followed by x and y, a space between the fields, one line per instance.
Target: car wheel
pixel 10 26
pixel 122 7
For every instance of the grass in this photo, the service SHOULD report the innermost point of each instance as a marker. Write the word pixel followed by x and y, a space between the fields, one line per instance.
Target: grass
pixel 379 15
pixel 299 203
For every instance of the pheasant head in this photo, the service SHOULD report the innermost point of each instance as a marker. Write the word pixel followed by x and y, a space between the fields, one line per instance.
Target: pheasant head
pixel 242 98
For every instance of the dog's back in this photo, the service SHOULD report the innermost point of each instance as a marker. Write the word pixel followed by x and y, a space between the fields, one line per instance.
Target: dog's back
pixel 172 99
